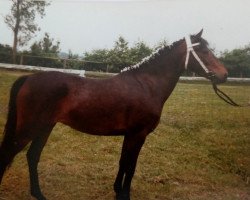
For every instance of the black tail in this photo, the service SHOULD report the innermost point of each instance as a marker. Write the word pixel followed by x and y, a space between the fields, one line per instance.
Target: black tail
pixel 10 126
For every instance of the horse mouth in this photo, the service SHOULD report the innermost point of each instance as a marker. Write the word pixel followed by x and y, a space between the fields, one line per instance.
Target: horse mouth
pixel 218 79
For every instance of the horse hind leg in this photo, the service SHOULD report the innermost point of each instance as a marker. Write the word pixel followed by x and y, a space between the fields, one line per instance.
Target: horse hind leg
pixel 9 149
pixel 33 157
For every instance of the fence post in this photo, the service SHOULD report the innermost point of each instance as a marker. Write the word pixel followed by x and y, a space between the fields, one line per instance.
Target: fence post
pixel 64 64
pixel 21 59
pixel 107 68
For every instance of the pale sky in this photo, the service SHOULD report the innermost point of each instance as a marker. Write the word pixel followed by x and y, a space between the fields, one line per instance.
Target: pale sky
pixel 82 25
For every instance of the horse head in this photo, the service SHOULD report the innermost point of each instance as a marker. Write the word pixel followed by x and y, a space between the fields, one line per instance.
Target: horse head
pixel 201 60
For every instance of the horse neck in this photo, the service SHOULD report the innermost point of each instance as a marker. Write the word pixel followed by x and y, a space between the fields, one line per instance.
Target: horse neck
pixel 162 73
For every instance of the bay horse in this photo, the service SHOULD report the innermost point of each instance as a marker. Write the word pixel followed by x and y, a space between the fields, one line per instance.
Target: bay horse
pixel 128 104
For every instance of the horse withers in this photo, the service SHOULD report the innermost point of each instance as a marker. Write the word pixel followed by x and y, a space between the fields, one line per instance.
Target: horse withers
pixel 128 104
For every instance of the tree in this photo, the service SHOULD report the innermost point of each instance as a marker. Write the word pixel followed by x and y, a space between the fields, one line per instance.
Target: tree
pixel 119 55
pixel 21 21
pixel 96 60
pixel 139 51
pixel 44 53
pixel 161 43
pixel 121 45
pixel 115 59
pixel 73 61
pixel 46 47
pixel 5 53
pixel 71 55
pixel 109 60
pixel 237 61
pixel 98 55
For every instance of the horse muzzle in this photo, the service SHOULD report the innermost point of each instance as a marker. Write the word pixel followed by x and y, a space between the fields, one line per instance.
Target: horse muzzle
pixel 217 78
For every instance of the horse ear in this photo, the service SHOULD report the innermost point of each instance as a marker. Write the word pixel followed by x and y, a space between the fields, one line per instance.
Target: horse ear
pixel 198 35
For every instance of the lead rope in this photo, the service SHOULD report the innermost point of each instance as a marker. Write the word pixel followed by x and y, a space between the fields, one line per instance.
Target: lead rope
pixel 225 97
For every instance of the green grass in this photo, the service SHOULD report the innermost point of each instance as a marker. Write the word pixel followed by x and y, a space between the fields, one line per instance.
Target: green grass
pixel 200 150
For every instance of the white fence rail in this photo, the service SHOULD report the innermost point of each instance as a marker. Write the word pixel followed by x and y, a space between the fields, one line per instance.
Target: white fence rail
pixel 83 72
pixel 36 68
pixel 239 80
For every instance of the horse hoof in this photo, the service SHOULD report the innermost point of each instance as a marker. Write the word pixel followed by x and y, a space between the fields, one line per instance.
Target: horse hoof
pixel 39 196
pixel 122 196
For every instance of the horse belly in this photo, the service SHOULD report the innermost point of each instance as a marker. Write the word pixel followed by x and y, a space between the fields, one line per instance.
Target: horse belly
pixel 96 122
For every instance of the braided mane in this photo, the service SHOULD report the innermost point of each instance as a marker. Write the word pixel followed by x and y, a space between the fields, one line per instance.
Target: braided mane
pixel 155 55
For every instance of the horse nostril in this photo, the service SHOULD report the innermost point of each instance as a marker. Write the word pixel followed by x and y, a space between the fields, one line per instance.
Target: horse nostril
pixel 219 78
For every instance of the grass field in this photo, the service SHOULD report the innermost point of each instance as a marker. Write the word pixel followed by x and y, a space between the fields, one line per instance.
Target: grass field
pixel 200 150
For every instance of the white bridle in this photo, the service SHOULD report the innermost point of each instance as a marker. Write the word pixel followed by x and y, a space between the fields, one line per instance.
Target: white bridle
pixel 191 49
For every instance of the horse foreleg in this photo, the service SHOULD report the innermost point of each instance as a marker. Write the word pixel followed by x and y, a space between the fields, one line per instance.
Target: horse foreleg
pixel 130 151
pixel 33 157
pixel 119 178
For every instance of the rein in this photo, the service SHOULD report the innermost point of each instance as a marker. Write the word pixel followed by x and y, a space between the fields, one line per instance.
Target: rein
pixel 210 74
pixel 224 97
